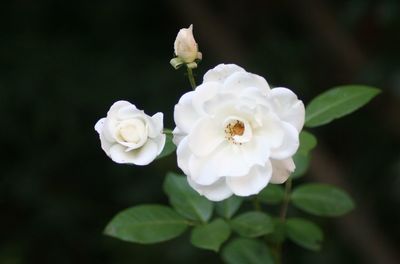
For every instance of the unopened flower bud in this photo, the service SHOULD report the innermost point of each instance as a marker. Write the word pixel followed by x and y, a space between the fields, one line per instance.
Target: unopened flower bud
pixel 186 48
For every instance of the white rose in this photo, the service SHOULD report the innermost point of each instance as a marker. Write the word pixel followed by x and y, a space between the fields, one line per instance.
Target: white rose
pixel 185 46
pixel 128 135
pixel 235 134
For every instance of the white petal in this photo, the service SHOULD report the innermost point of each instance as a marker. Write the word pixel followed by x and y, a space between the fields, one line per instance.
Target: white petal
pixel 113 112
pixel 281 170
pixel 253 182
pixel 155 124
pixel 178 135
pixel 132 133
pixel 185 115
pixel 288 107
pixel 141 156
pixel 256 151
pixel 105 144
pixel 183 155
pixel 109 129
pixel 204 93
pixel 99 125
pixel 228 160
pixel 215 192
pixel 128 112
pixel 204 170
pixel 158 120
pixel 270 128
pixel 205 137
pixel 221 72
pixel 160 141
pixel 221 105
pixel 239 81
pixel 232 161
pixel 253 96
pixel 290 143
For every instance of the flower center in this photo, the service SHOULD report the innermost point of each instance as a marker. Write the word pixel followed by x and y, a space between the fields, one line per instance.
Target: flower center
pixel 237 131
pixel 132 131
pixel 130 134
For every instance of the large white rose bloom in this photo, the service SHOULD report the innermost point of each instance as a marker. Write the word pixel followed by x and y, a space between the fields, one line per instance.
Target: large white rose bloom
pixel 235 134
pixel 128 135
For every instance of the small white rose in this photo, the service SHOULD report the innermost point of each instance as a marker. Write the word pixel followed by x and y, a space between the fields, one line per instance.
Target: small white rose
pixel 235 134
pixel 185 46
pixel 130 136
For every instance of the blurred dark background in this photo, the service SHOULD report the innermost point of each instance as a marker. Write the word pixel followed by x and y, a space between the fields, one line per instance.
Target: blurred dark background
pixel 63 63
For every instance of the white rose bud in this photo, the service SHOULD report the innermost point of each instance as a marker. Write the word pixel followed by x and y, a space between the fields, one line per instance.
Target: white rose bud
pixel 130 136
pixel 186 49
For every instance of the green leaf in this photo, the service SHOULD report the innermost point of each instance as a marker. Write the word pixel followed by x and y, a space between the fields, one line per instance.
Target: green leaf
pixel 279 234
pixel 322 200
pixel 302 163
pixel 246 251
pixel 185 200
pixel 337 102
pixel 272 194
pixel 228 207
pixel 168 148
pixel 146 224
pixel 210 236
pixel 252 224
pixel 307 142
pixel 302 156
pixel 304 233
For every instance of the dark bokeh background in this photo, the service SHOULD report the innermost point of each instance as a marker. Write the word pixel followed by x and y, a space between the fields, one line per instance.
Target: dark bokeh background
pixel 63 63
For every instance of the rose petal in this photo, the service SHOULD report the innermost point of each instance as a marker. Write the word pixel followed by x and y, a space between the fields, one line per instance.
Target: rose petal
pixel 183 155
pixel 215 192
pixel 290 143
pixel 113 112
pixel 205 137
pixel 155 124
pixel 232 161
pixel 128 112
pixel 221 105
pixel 221 72
pixel 178 135
pixel 239 81
pixel 109 129
pixel 185 115
pixel 270 128
pixel 287 107
pixel 160 141
pixel 253 182
pixel 105 144
pixel 99 125
pixel 204 170
pixel 142 156
pixel 202 94
pixel 141 132
pixel 281 170
pixel 228 160
pixel 256 151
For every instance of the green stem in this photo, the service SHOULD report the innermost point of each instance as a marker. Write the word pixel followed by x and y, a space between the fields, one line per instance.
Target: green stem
pixel 256 204
pixel 191 78
pixel 286 199
pixel 283 213
pixel 167 131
